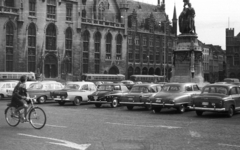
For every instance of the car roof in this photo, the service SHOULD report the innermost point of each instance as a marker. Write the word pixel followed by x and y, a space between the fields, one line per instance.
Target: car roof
pixel 112 84
pixel 182 84
pixel 146 84
pixel 222 85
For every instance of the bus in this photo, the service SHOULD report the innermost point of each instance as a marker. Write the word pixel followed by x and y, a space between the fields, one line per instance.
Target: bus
pixel 103 77
pixel 16 75
pixel 147 78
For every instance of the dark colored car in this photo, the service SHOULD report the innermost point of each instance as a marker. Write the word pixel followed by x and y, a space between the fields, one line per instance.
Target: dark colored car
pixel 217 98
pixel 139 95
pixel 108 93
pixel 174 95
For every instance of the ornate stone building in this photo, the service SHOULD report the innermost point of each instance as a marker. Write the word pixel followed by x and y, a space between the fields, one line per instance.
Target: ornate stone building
pixel 233 54
pixel 59 37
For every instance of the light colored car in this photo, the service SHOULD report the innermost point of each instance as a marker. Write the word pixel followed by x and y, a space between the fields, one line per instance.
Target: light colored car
pixel 6 88
pixel 41 90
pixel 75 92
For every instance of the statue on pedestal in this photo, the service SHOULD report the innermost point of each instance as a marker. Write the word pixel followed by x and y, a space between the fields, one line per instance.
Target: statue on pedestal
pixel 186 18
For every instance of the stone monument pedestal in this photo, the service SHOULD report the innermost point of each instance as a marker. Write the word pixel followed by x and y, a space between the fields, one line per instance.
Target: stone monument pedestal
pixel 187 61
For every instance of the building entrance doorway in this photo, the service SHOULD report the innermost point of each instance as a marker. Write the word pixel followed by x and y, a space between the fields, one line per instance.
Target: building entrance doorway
pixel 51 67
pixel 113 70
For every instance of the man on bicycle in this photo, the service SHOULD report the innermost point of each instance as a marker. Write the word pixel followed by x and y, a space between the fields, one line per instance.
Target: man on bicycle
pixel 19 96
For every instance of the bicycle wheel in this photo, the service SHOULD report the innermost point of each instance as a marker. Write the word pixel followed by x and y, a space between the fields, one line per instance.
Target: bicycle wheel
pixel 11 117
pixel 37 118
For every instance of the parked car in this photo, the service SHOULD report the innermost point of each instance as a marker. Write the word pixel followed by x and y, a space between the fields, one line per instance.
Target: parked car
pixel 74 92
pixel 139 95
pixel 108 93
pixel 41 90
pixel 6 88
pixel 174 95
pixel 217 98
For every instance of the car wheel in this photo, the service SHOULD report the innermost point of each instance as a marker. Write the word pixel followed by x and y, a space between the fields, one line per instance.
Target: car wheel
pixel 98 105
pixel 114 103
pixel 230 112
pixel 42 99
pixel 77 101
pixel 156 110
pixel 199 113
pixel 130 107
pixel 181 109
pixel 61 103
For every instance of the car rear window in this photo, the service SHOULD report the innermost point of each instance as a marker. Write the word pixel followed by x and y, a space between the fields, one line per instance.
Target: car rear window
pixel 105 88
pixel 72 86
pixel 220 90
pixel 139 89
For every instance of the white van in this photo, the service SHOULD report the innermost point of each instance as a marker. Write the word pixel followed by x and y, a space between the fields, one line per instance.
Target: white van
pixel 6 88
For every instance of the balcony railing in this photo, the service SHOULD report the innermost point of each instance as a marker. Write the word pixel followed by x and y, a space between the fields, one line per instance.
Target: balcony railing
pixel 103 23
pixel 9 10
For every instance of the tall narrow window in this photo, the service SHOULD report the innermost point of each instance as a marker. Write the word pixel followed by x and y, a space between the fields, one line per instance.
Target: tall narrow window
pixel 109 46
pixel 86 37
pixel 119 47
pixel 9 46
pixel 69 12
pixel 68 46
pixel 84 13
pixel 101 9
pixel 51 9
pixel 9 3
pixel 32 48
pixel 51 37
pixel 32 7
pixel 97 52
pixel 236 60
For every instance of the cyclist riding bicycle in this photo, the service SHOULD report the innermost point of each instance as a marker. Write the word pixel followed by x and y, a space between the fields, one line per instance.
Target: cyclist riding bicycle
pixel 19 97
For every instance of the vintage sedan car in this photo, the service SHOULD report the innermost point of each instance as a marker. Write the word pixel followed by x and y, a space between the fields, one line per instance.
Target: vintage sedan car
pixel 217 98
pixel 174 95
pixel 108 93
pixel 74 92
pixel 139 94
pixel 41 90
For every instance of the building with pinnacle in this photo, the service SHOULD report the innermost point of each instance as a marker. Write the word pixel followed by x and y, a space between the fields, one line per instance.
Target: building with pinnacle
pixel 59 37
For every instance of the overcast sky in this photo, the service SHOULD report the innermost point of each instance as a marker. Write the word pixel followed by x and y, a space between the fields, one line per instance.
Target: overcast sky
pixel 212 17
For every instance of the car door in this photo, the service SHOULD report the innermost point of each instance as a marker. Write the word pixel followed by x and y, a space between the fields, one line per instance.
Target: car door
pixel 238 99
pixel 234 94
pixel 85 91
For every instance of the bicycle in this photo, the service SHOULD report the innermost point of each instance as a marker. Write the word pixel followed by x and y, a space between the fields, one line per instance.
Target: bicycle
pixel 34 114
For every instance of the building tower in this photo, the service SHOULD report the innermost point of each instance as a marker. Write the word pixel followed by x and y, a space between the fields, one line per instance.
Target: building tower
pixel 174 21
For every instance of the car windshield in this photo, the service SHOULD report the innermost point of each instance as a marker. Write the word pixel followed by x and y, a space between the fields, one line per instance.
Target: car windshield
pixel 214 89
pixel 105 88
pixel 72 86
pixel 139 89
pixel 172 88
pixel 36 86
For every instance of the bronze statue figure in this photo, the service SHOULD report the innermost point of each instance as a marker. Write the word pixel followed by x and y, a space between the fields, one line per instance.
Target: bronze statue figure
pixel 186 19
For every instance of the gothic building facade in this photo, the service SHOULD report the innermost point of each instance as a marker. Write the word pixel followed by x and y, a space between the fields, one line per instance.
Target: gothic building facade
pixel 59 37
pixel 233 54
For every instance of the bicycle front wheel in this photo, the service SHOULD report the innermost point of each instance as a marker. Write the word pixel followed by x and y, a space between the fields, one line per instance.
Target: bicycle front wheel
pixel 11 116
pixel 37 118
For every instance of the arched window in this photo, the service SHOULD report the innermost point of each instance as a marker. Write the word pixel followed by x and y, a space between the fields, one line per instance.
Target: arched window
pixel 236 60
pixel 97 41
pixel 86 37
pixel 9 46
pixel 51 37
pixel 31 48
pixel 108 46
pixel 68 47
pixel 119 47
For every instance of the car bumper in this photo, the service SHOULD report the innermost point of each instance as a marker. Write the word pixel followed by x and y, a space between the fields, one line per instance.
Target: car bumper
pixel 99 102
pixel 132 103
pixel 59 99
pixel 208 109
pixel 154 105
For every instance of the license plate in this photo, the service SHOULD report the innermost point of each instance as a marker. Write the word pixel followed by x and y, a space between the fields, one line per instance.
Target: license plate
pixel 95 97
pixel 205 103
pixel 130 99
pixel 158 101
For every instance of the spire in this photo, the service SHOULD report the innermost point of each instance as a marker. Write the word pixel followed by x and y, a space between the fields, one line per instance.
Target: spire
pixel 174 13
